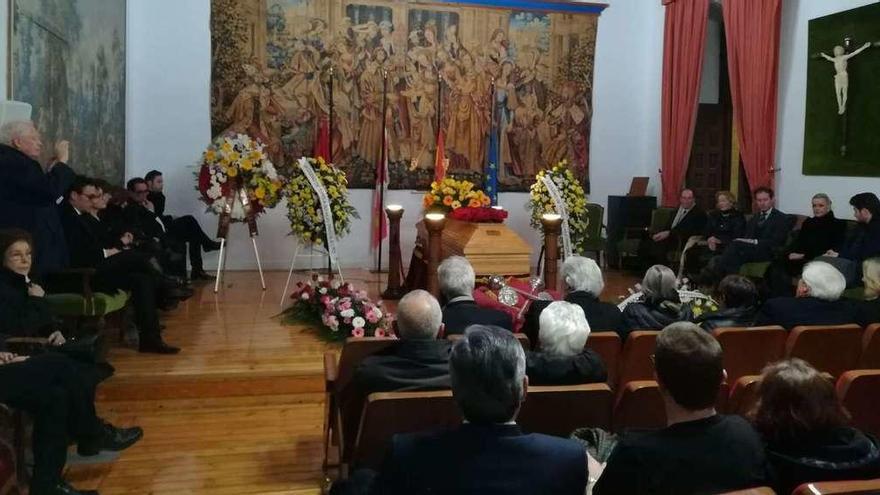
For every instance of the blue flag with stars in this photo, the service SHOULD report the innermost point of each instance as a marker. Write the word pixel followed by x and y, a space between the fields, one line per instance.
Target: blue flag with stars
pixel 493 161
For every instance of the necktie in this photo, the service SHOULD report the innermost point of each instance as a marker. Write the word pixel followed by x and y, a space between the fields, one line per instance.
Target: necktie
pixel 763 218
pixel 678 216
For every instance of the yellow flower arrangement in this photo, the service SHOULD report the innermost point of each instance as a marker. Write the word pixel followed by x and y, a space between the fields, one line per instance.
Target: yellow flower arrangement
pixel 304 207
pixel 572 193
pixel 450 194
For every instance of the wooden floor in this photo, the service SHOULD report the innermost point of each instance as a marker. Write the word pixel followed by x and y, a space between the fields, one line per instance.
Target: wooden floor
pixel 238 411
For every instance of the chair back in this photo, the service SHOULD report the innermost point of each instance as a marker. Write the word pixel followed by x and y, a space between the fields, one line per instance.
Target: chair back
pixel 833 349
pixel 858 390
pixel 353 352
pixel 854 487
pixel 595 215
pixel 743 395
pixel 661 217
pixel 871 347
pixel 522 338
pixel 607 346
pixel 760 490
pixel 559 410
pixel 639 405
pixel 389 413
pixel 748 350
pixel 635 361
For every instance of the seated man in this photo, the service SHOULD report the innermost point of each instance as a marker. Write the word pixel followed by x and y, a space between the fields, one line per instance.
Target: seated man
pixel 765 232
pixel 457 279
pixel 699 451
pixel 183 229
pixel 738 297
pixel 689 219
pixel 583 285
pixel 864 243
pixel 563 360
pixel 488 454
pixel 817 301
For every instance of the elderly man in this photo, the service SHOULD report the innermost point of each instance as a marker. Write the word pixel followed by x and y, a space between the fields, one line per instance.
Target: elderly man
pixel 29 193
pixel 457 279
pixel 689 219
pixel 699 451
pixel 584 284
pixel 817 301
pixel 563 360
pixel 488 454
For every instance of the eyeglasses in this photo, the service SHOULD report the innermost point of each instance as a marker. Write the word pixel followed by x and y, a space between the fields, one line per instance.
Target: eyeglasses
pixel 141 191
pixel 93 196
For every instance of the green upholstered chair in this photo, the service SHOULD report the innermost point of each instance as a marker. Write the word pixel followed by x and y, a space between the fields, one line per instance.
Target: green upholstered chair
pixel 595 242
pixel 86 304
pixel 757 269
pixel 632 237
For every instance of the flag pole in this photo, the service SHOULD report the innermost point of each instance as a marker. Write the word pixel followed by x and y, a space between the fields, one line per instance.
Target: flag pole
pixel 491 178
pixel 330 157
pixel 381 174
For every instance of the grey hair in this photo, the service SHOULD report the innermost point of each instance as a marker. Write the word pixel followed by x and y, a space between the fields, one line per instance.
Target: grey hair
pixel 563 329
pixel 825 281
pixel 582 273
pixel 418 316
pixel 487 369
pixel 456 277
pixel 11 131
pixel 823 196
pixel 660 284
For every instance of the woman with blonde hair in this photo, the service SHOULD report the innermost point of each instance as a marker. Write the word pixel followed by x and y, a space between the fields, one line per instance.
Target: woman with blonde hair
pixel 869 309
pixel 723 224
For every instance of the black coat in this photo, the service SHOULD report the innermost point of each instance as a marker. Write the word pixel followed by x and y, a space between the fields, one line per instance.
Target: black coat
pixel 86 249
pixel 869 312
pixel 28 199
pixel 22 315
pixel 772 234
pixel 728 317
pixel 459 315
pixel 547 369
pixel 482 460
pixel 818 235
pixel 144 224
pixel 725 225
pixel 601 316
pixel 789 312
pixel 692 224
pixel 863 242
pixel 652 315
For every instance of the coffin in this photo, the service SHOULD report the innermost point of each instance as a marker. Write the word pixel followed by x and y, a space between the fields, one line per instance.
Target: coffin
pixel 492 248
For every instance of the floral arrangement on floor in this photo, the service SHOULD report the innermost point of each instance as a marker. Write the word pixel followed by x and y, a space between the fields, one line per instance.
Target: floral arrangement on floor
pixel 572 193
pixel 337 309
pixel 451 194
pixel 304 207
pixel 233 163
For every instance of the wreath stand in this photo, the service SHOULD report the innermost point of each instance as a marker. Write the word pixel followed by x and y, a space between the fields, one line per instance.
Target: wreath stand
pixel 300 252
pixel 223 234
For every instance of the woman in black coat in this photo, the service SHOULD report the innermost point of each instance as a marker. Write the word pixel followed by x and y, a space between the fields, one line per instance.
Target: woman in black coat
pixel 724 224
pixel 660 305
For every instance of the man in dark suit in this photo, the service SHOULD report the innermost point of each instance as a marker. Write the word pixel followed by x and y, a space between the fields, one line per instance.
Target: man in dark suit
pixel 817 302
pixel 863 243
pixel 584 284
pixel 766 232
pixel 457 279
pixel 688 220
pixel 489 454
pixel 29 195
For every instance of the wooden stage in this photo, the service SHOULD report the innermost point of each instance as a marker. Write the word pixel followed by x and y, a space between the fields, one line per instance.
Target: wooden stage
pixel 239 410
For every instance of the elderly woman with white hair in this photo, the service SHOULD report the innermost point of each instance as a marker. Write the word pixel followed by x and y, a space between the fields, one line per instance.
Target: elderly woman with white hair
pixel 456 278
pixel 660 305
pixel 562 358
pixel 817 301
pixel 583 284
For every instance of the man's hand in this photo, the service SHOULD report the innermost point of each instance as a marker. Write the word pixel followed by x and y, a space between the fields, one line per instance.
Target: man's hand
pixel 660 236
pixel 62 151
pixel 8 357
pixel 35 290
pixel 127 238
pixel 112 252
pixel 713 243
pixel 832 253
pixel 55 338
pixel 796 256
pixel 149 205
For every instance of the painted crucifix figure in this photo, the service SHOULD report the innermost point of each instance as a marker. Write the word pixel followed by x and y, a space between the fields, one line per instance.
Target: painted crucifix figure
pixel 841 77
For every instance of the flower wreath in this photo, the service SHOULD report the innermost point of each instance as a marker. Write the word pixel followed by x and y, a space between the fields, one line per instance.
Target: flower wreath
pixel 572 193
pixel 304 207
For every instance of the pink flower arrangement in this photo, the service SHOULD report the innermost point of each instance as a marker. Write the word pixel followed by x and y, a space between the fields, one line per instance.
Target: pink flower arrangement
pixel 338 309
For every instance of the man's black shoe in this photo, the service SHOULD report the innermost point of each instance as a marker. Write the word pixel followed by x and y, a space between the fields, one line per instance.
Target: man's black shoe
pixel 157 347
pixel 202 275
pixel 211 246
pixel 181 293
pixel 112 438
pixel 64 488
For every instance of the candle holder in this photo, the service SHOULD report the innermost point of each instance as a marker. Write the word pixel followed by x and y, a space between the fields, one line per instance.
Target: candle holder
pixel 552 224
pixel 394 290
pixel 434 223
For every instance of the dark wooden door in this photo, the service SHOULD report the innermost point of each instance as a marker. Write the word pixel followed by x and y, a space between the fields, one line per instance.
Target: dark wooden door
pixel 709 165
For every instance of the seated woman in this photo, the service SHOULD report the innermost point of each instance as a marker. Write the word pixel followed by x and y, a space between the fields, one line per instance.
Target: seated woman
pixel 869 309
pixel 806 430
pixel 660 306
pixel 817 235
pixel 739 303
pixel 817 302
pixel 724 224
pixel 562 359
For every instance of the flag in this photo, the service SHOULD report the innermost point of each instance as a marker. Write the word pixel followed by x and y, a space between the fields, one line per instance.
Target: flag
pixel 322 139
pixel 491 182
pixel 379 225
pixel 440 157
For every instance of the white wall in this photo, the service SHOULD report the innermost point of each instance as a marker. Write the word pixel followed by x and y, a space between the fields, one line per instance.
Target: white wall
pixel 796 189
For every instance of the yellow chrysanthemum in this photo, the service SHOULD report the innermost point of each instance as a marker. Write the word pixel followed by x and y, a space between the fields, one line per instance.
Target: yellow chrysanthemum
pixel 260 193
pixel 455 205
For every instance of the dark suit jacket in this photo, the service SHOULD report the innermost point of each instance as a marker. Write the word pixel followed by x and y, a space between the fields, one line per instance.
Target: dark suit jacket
pixel 692 223
pixel 864 242
pixel 601 316
pixel 772 233
pixel 459 315
pixel 28 201
pixel 143 222
pixel 85 249
pixel 482 460
pixel 726 226
pixel 818 235
pixel 547 369
pixel 790 312
pixel 22 315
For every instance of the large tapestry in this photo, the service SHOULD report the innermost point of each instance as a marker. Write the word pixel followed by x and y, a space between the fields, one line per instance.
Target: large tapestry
pixel 843 94
pixel 68 61
pixel 506 88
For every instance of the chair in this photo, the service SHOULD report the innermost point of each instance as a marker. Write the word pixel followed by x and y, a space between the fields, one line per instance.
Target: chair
pixel 760 490
pixel 639 405
pixel 85 304
pixel 389 413
pixel 522 338
pixel 854 487
pixel 635 362
pixel 632 237
pixel 748 350
pixel 871 347
pixel 743 395
pixel 559 410
pixel 607 346
pixel 594 241
pixel 858 390
pixel 833 349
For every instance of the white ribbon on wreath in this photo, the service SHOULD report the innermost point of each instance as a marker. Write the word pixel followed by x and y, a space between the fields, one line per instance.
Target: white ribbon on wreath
pixel 562 211
pixel 326 210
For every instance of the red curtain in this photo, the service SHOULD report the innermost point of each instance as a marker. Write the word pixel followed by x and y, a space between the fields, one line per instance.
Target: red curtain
pixel 752 28
pixel 684 40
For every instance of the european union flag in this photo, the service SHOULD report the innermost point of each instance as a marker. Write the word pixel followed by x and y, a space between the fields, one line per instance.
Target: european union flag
pixel 493 160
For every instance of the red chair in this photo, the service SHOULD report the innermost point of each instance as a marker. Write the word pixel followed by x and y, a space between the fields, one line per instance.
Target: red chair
pixel 635 361
pixel 859 391
pixel 639 405
pixel 559 410
pixel 761 490
pixel 855 487
pixel 607 346
pixel 743 395
pixel 748 350
pixel 871 348
pixel 833 349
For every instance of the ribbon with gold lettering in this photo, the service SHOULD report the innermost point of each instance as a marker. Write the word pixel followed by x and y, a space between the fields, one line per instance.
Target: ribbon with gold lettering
pixel 326 210
pixel 562 211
